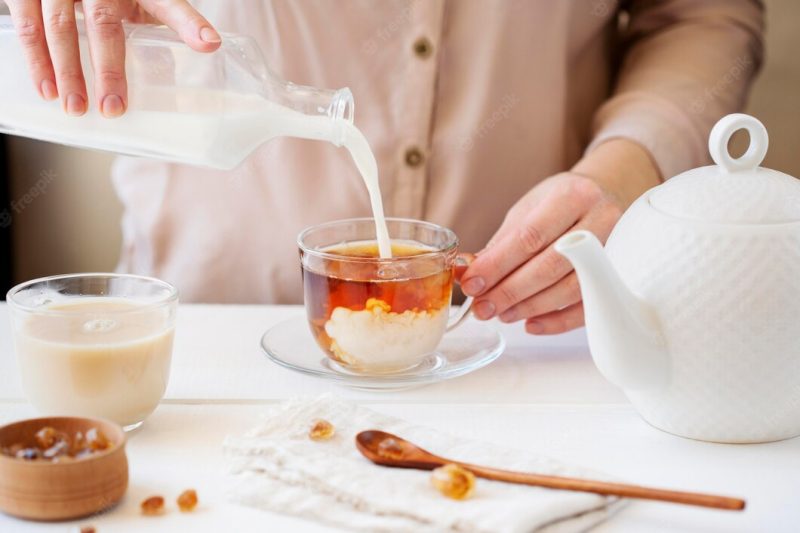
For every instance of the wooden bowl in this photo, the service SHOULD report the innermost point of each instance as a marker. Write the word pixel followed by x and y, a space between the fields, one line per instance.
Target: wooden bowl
pixel 43 490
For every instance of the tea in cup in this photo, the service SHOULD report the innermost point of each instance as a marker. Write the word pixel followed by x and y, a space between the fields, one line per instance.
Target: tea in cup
pixel 96 345
pixel 372 314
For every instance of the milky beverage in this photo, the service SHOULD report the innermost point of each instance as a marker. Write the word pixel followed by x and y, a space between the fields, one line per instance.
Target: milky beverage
pixel 105 357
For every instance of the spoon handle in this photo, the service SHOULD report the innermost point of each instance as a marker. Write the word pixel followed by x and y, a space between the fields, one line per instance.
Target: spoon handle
pixel 607 489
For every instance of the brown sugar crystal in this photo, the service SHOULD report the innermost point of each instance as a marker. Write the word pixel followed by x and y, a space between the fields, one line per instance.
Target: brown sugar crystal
pixel 96 440
pixel 390 449
pixel 453 481
pixel 187 501
pixel 48 437
pixel 321 430
pixel 154 505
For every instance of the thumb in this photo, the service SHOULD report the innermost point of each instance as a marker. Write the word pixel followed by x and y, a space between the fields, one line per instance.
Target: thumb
pixel 191 26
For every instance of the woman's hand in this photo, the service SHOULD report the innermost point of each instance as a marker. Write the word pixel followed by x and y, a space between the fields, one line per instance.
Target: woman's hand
pixel 49 35
pixel 519 276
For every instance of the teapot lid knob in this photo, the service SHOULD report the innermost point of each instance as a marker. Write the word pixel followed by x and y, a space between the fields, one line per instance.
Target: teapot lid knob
pixel 721 134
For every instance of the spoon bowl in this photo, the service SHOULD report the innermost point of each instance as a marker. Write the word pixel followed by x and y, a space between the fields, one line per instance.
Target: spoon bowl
pixel 411 456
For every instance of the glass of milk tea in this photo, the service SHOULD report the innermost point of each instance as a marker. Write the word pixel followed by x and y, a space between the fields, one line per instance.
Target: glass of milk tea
pixel 372 314
pixel 96 345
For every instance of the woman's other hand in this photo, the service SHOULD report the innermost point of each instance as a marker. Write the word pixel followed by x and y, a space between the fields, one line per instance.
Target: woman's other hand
pixel 519 275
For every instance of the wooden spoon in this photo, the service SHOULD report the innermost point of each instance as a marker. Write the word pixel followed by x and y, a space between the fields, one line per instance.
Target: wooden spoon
pixel 404 454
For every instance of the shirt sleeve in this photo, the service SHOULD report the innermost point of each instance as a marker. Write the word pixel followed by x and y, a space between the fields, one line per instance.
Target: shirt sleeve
pixel 685 64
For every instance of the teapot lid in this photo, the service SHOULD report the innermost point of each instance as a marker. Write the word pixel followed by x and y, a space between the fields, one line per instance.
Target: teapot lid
pixel 735 190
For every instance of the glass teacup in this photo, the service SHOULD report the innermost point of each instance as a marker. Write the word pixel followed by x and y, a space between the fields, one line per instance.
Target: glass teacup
pixel 97 345
pixel 374 315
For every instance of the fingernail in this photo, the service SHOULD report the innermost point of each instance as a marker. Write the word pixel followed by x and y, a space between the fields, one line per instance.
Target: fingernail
pixel 112 106
pixel 508 316
pixel 534 327
pixel 49 90
pixel 484 310
pixel 473 286
pixel 76 105
pixel 209 35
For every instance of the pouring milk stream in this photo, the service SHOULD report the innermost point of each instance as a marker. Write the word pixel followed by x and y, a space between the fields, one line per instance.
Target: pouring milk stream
pixel 202 109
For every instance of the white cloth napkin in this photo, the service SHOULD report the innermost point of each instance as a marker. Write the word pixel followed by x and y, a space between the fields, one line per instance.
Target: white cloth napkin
pixel 277 467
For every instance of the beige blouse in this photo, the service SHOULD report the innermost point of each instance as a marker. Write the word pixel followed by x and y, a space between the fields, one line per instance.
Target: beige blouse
pixel 467 104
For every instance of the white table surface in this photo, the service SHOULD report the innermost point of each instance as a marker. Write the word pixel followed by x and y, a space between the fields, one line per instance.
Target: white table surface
pixel 542 394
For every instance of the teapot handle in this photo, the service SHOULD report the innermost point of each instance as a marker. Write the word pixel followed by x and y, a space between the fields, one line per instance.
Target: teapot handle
pixel 721 134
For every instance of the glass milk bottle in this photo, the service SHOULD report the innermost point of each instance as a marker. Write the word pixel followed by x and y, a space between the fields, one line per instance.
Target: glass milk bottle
pixel 184 106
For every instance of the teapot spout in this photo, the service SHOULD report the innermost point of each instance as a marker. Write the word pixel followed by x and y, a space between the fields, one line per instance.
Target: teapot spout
pixel 624 335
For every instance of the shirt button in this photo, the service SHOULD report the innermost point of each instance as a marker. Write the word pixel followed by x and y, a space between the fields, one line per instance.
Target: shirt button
pixel 414 157
pixel 423 47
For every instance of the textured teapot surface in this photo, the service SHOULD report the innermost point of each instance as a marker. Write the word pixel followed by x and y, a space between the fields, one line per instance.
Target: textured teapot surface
pixel 728 306
pixel 719 267
pixel 734 191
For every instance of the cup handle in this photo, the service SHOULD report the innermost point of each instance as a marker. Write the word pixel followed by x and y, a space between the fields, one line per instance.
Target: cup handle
pixel 458 318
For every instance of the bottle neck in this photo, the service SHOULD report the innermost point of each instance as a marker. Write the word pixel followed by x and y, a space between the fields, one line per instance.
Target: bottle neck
pixel 335 104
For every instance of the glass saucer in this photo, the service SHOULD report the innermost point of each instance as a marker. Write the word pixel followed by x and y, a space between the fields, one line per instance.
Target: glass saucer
pixel 467 348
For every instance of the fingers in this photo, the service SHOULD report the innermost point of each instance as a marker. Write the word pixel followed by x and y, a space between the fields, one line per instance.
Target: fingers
pixel 554 215
pixel 556 322
pixel 562 294
pixel 107 46
pixel 62 39
pixel 49 37
pixel 192 27
pixel 543 270
pixel 27 17
pixel 535 275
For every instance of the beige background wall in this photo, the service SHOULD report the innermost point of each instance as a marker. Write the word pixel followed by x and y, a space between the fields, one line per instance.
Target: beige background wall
pixel 74 225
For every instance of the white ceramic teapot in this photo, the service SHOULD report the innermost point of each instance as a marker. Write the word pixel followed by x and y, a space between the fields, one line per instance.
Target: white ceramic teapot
pixel 694 306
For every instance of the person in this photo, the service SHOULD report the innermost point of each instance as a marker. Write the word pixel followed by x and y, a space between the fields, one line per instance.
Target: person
pixel 512 122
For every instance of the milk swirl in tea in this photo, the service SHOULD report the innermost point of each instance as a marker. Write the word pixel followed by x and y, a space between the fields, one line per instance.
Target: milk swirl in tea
pixel 376 315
